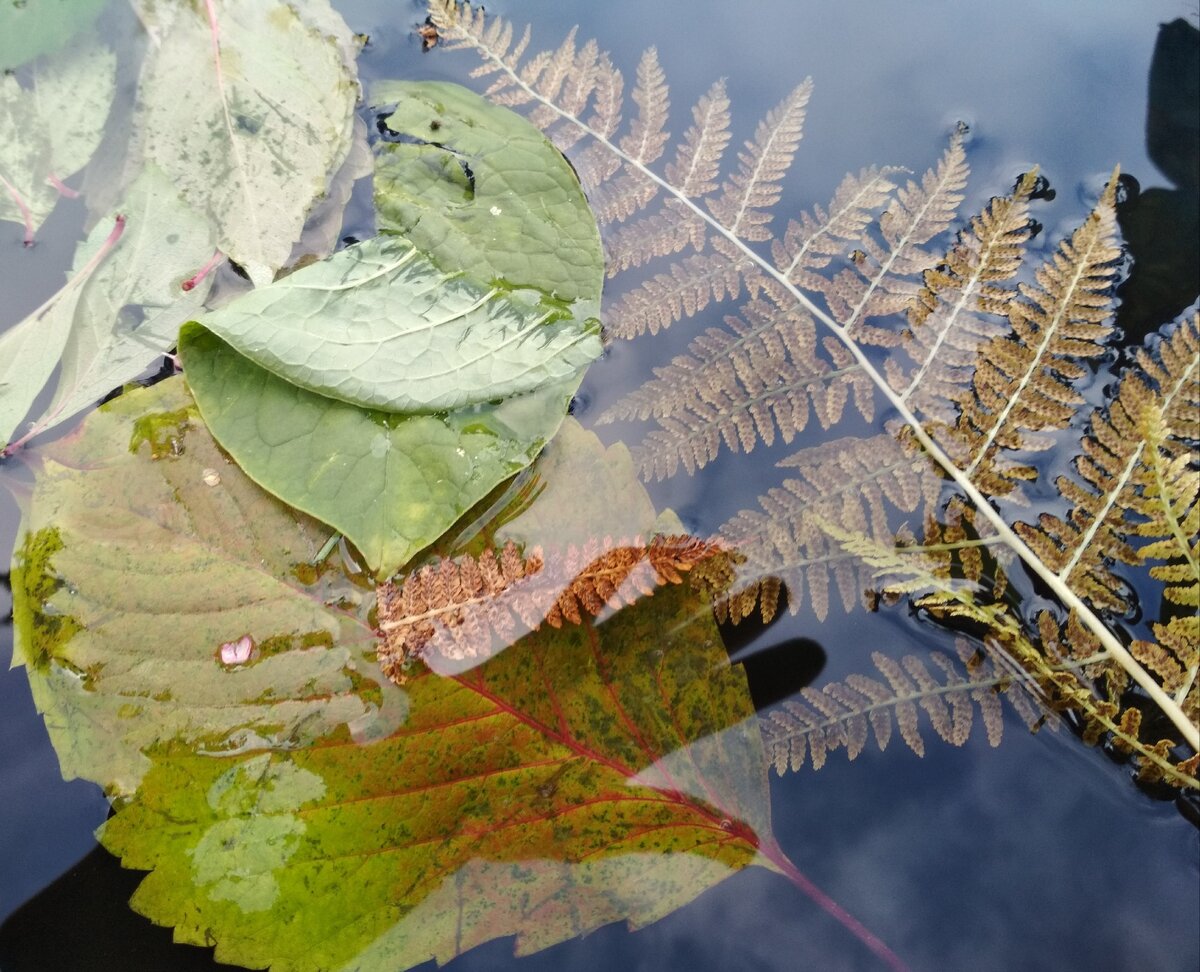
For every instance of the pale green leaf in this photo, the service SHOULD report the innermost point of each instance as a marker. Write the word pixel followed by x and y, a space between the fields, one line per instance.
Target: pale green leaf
pixel 481 189
pixel 263 124
pixel 111 321
pixel 131 310
pixel 50 130
pixel 144 551
pixel 392 483
pixel 379 325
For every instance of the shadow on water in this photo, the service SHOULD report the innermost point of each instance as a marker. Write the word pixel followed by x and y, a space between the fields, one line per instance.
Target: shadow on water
pixel 1162 226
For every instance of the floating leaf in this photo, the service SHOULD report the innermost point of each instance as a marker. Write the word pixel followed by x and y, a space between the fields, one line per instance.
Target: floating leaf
pixel 392 483
pixel 482 190
pixel 49 130
pixel 267 119
pixel 132 573
pixel 110 322
pixel 187 658
pixel 465 381
pixel 378 324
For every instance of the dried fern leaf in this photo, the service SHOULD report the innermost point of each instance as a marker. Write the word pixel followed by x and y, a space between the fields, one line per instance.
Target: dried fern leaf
pixel 1023 387
pixel 744 205
pixel 846 715
pixel 1175 659
pixel 1136 479
pixel 885 278
pixel 946 323
pixel 1022 383
pixel 810 243
pixel 457 611
pixel 848 482
pixel 771 382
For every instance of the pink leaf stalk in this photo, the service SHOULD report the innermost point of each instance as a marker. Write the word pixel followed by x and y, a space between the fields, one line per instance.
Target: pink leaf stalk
pixel 25 213
pixel 63 189
pixel 217 259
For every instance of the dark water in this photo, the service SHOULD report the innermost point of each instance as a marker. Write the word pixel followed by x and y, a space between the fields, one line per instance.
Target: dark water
pixel 1036 855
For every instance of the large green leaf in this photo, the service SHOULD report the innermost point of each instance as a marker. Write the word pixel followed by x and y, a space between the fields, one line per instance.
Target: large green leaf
pixel 481 189
pixel 250 114
pixel 50 129
pixel 392 483
pixel 143 551
pixel 584 775
pixel 378 324
pixel 120 311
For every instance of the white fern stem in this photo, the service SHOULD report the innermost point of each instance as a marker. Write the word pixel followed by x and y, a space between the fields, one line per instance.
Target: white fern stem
pixel 1069 599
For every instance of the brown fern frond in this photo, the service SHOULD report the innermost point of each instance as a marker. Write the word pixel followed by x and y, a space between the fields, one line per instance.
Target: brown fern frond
pixel 738 386
pixel 697 163
pixel 744 205
pixel 670 229
pixel 848 482
pixel 845 715
pixel 1175 658
pixel 945 323
pixel 885 276
pixel 810 243
pixel 683 291
pixel 1022 383
pixel 1137 478
pixel 648 137
pixel 461 611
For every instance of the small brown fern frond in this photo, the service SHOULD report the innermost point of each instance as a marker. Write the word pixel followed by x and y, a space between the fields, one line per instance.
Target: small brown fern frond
pixel 1175 658
pixel 744 205
pixel 1137 480
pixel 1107 719
pixel 812 242
pixel 761 377
pixel 461 611
pixel 1022 382
pixel 945 322
pixel 845 715
pixel 848 482
pixel 887 274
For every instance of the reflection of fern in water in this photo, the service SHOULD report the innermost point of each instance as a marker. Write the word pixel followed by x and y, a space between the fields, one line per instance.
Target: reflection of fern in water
pixel 981 373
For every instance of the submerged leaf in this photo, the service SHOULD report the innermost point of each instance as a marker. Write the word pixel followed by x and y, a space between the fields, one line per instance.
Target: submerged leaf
pixel 34 27
pixel 187 658
pixel 392 483
pixel 267 119
pixel 134 571
pixel 49 130
pixel 111 324
pixel 586 775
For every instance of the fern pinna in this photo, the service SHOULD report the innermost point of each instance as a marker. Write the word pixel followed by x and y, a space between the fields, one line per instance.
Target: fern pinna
pixel 862 300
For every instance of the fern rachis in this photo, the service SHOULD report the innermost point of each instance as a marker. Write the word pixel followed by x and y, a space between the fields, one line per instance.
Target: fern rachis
pixel 905 229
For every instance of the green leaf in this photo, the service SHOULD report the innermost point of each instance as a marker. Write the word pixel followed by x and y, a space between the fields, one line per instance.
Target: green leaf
pixel 392 483
pixel 109 323
pixel 585 775
pixel 34 27
pixel 264 124
pixel 481 189
pixel 50 130
pixel 144 550
pixel 379 325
